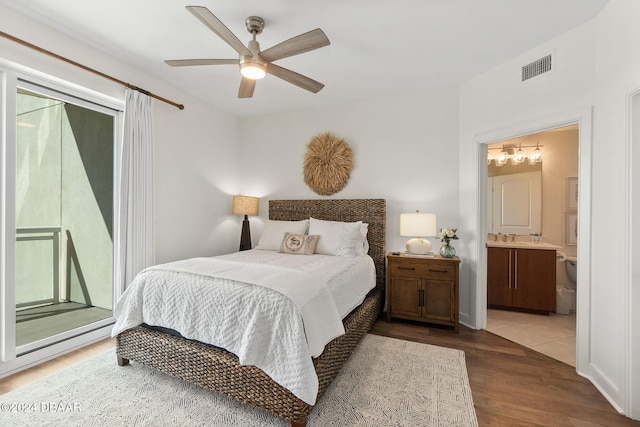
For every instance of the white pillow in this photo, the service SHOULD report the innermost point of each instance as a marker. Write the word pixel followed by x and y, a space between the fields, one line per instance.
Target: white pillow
pixel 336 238
pixel 273 233
pixel 362 247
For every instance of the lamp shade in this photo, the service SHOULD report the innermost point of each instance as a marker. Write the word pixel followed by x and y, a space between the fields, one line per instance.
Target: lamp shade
pixel 245 205
pixel 417 224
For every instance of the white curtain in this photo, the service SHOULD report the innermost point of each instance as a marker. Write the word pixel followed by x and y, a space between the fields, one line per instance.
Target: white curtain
pixel 136 216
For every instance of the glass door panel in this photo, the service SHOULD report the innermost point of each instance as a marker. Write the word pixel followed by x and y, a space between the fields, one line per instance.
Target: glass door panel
pixel 64 216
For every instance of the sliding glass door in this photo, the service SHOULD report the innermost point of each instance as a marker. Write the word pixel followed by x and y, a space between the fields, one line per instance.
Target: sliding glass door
pixel 58 185
pixel 64 216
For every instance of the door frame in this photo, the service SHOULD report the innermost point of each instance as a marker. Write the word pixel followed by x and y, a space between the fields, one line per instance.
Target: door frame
pixel 632 243
pixel 583 118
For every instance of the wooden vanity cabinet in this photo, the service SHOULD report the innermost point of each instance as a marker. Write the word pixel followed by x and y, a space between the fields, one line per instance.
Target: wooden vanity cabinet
pixel 521 279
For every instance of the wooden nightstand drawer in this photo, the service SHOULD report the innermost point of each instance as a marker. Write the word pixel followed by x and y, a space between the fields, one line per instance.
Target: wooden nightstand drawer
pixel 441 271
pixel 417 267
pixel 407 267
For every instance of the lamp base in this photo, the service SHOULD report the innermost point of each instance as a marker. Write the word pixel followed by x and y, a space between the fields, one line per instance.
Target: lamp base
pixel 245 237
pixel 419 246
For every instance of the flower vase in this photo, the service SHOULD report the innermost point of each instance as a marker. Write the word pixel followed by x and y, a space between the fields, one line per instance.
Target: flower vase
pixel 447 251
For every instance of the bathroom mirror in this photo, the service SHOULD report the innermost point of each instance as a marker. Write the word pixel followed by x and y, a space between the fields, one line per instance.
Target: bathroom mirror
pixel 514 200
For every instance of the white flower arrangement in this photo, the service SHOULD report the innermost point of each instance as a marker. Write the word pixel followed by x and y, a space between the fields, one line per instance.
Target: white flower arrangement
pixel 447 234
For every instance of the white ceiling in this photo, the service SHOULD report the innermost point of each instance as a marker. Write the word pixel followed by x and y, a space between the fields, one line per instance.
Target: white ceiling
pixel 378 48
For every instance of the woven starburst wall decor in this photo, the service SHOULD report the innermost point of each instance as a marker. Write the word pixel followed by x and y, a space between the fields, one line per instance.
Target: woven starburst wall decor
pixel 327 164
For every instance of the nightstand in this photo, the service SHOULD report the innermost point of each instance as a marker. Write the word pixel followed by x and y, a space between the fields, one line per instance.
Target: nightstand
pixel 423 289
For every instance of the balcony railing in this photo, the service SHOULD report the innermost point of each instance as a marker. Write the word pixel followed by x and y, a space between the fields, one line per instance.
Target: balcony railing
pixel 31 234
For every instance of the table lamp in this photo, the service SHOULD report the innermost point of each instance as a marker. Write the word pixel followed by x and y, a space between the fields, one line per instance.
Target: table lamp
pixel 418 225
pixel 245 205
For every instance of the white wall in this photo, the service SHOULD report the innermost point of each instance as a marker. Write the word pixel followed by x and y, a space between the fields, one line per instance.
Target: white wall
pixel 196 174
pixel 617 74
pixel 405 150
pixel 597 64
pixel 634 243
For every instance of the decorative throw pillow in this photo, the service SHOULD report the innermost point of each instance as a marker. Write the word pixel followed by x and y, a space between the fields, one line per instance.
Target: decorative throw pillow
pixel 336 238
pixel 299 244
pixel 273 232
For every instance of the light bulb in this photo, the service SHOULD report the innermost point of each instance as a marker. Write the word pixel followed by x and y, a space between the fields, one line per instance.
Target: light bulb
pixel 536 156
pixel 518 157
pixel 253 71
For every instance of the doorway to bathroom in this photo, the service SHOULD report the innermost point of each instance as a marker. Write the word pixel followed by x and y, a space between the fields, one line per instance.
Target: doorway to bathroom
pixel 532 205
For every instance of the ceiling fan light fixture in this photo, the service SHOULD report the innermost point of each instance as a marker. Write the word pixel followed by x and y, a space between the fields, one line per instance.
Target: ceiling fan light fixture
pixel 255 63
pixel 253 71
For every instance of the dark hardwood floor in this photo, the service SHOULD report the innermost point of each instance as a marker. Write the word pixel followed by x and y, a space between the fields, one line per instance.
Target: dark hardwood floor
pixel 513 385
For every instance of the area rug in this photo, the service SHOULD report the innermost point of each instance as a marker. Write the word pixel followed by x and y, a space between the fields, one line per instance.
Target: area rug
pixel 385 382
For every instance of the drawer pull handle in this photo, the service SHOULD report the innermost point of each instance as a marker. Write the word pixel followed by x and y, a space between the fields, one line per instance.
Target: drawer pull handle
pixel 438 271
pixel 406 268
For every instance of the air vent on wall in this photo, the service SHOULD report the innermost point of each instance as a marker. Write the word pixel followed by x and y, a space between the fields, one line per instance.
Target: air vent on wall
pixel 537 67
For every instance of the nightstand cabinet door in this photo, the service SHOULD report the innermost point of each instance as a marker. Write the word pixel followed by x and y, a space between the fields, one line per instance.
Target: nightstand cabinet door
pixel 405 293
pixel 439 300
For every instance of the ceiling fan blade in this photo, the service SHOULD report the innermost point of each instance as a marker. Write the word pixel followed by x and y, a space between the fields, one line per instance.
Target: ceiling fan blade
pixel 295 78
pixel 215 25
pixel 246 88
pixel 311 40
pixel 190 62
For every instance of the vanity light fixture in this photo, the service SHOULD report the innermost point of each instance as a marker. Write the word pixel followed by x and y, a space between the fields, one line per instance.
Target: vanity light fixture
pixel 516 155
pixel 418 225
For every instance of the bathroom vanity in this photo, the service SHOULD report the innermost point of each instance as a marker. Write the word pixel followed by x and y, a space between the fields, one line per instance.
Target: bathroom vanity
pixel 521 276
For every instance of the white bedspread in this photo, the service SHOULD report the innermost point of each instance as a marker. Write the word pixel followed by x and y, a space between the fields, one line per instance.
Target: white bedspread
pixel 349 279
pixel 216 301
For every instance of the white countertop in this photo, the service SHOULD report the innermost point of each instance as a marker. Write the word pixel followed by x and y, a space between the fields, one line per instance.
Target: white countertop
pixel 523 245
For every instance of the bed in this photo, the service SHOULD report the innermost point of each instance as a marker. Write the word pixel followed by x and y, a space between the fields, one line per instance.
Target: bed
pixel 220 371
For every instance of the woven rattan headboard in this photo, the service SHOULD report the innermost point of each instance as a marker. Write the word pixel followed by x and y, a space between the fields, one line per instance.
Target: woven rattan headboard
pixel 371 211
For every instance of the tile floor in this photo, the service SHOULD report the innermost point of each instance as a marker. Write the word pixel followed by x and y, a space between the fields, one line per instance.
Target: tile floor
pixel 553 335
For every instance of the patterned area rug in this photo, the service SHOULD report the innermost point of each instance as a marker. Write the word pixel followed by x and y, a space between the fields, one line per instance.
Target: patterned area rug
pixel 386 382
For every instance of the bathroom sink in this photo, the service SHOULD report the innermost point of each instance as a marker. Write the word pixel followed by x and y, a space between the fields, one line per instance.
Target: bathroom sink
pixel 522 245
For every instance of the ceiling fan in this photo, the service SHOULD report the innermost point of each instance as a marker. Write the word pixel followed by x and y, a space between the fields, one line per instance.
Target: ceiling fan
pixel 255 64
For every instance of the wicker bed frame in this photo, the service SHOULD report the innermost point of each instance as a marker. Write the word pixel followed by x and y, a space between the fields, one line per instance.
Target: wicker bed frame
pixel 218 370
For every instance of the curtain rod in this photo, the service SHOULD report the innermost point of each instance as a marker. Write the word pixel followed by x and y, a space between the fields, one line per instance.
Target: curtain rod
pixel 84 67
